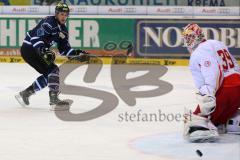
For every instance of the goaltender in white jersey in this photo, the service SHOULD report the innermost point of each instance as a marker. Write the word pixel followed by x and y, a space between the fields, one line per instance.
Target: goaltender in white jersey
pixel 210 62
pixel 216 75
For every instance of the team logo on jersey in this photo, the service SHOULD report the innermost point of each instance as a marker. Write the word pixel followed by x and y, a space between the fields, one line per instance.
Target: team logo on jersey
pixel 61 35
pixel 40 32
pixel 207 63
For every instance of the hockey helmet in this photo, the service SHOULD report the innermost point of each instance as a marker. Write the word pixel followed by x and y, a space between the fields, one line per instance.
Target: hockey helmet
pixel 192 35
pixel 62 7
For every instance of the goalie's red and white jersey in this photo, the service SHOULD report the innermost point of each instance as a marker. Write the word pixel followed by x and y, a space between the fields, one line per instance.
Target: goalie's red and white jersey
pixel 210 64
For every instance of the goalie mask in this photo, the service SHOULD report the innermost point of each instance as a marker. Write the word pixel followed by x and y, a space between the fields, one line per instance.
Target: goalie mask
pixel 192 36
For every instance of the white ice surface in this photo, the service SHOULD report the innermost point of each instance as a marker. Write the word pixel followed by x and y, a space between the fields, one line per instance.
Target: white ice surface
pixel 35 133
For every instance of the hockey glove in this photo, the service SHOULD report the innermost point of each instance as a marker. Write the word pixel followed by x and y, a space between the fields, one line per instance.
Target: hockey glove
pixel 47 55
pixel 206 103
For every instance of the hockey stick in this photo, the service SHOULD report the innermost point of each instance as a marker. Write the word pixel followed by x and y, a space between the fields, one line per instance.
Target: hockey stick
pixel 93 58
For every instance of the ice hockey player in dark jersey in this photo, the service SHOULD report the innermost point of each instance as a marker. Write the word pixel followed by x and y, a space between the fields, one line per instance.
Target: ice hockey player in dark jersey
pixel 35 51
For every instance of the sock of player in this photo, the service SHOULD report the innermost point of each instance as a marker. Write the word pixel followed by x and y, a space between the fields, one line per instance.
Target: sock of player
pixel 40 83
pixel 53 80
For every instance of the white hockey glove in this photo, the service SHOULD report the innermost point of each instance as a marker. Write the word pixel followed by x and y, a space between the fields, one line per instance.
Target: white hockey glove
pixel 206 103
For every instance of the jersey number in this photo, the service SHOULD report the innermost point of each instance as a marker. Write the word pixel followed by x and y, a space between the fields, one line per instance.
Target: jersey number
pixel 227 60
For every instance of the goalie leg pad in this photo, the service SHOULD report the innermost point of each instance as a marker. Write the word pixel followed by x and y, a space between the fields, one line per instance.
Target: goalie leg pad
pixel 199 129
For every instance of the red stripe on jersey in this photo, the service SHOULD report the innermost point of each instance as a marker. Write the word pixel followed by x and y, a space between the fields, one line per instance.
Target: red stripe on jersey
pixel 219 78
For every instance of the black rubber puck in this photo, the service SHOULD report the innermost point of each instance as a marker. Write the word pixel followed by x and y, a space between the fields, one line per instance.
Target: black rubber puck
pixel 199 153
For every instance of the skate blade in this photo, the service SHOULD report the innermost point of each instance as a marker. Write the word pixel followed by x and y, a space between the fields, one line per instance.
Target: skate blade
pixel 61 107
pixel 20 101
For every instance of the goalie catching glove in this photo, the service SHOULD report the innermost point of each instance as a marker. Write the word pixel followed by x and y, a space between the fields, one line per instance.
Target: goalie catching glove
pixel 80 55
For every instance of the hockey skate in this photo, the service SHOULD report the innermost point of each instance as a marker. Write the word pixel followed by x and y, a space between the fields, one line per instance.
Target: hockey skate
pixel 222 128
pixel 233 124
pixel 57 104
pixel 23 96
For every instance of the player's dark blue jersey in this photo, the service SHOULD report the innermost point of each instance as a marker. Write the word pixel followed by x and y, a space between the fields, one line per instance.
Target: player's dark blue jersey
pixel 46 33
